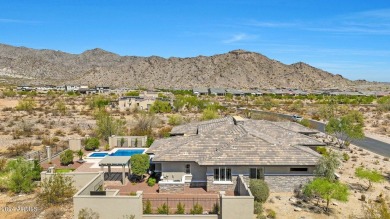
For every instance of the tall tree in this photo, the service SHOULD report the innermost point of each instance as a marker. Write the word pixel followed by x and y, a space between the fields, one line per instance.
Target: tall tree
pixel 372 176
pixel 108 126
pixel 327 190
pixel 327 165
pixel 139 164
pixel 346 128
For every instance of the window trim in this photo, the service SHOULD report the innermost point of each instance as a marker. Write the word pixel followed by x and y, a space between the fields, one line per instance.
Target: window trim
pixel 227 174
pixel 257 172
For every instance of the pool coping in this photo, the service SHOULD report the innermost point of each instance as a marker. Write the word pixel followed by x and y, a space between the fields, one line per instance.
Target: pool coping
pixel 112 151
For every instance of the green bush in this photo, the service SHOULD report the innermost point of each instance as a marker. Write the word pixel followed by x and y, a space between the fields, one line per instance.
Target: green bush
pixel 259 189
pixel 163 209
pixel 345 156
pixel 151 181
pixel 271 213
pixel 197 209
pixel 148 207
pixel 180 208
pixel 66 157
pixel 322 150
pixel 258 207
pixel 92 144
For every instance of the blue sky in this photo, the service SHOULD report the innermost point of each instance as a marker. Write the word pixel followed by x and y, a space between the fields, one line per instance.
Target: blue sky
pixel 347 37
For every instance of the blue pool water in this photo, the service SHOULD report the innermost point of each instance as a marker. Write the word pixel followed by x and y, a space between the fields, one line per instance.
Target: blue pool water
pixel 120 152
pixel 130 152
pixel 100 154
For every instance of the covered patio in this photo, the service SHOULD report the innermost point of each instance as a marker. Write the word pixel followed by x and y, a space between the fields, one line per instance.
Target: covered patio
pixel 116 161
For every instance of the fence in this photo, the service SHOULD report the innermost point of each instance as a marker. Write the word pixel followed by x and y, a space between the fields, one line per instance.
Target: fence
pixel 209 205
pixel 41 155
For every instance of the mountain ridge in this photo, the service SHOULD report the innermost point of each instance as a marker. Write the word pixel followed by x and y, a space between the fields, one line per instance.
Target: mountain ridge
pixel 234 69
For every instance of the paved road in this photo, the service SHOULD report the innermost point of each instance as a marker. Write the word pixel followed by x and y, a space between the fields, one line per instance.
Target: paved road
pixel 367 143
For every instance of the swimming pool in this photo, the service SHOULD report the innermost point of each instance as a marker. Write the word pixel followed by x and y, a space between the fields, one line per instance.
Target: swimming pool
pixel 98 154
pixel 118 152
pixel 127 152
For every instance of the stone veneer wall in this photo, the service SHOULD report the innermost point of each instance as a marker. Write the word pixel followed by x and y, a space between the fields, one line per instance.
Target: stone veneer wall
pixel 285 183
pixel 171 187
pixel 212 187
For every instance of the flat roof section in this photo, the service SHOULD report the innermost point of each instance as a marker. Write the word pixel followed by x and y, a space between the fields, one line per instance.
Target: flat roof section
pixel 115 161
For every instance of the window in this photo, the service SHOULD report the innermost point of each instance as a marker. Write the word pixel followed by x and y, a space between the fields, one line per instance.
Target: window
pixel 188 168
pixel 298 169
pixel 222 174
pixel 256 173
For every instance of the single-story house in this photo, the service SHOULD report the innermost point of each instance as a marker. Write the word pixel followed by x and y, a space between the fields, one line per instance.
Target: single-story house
pixel 218 91
pixel 200 91
pixel 211 154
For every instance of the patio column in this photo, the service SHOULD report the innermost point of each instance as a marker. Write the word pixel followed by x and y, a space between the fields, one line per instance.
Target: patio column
pixel 48 151
pixel 109 170
pixel 123 174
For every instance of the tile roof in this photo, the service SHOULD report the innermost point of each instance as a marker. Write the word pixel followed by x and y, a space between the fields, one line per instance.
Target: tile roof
pixel 222 142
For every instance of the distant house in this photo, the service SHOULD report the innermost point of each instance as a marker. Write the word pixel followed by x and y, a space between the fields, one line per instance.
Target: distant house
pixel 200 91
pixel 212 154
pixel 135 102
pixel 24 88
pixel 70 88
pixel 252 92
pixel 102 89
pixel 218 91
pixel 234 92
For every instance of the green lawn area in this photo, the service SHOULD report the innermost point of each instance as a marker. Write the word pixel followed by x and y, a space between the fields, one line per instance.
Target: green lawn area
pixel 64 170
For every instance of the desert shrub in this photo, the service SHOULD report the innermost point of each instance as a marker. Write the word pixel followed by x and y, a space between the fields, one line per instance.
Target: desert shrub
pixel 164 132
pixel 98 102
pixel 196 209
pixel 66 157
pixel 160 107
pixel 132 93
pixel 258 207
pixel 306 123
pixel 91 144
pixel 56 190
pixel 322 150
pixel 175 120
pixel 151 181
pixel 271 213
pixel 345 156
pixel 180 208
pixel 54 213
pixel 148 207
pixel 108 126
pixel 21 175
pixel 26 104
pixel 259 189
pixel 87 213
pixel 18 150
pixel 209 114
pixel 163 209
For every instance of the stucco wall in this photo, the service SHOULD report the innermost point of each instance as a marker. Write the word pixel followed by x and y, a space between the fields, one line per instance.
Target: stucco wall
pixel 108 206
pixel 80 179
pixel 176 170
pixel 233 207
pixel 141 142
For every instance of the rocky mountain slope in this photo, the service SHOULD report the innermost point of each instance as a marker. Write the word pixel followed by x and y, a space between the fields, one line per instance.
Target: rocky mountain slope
pixel 235 69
